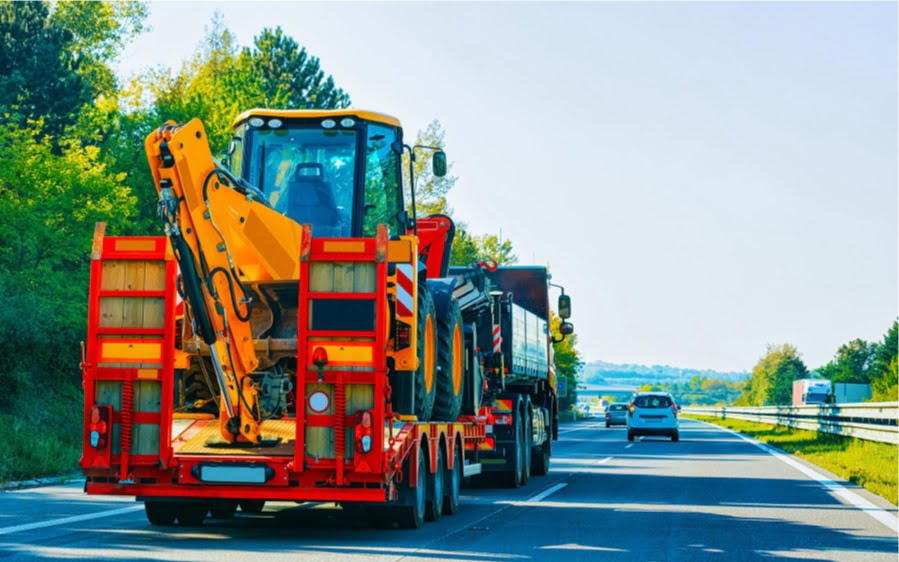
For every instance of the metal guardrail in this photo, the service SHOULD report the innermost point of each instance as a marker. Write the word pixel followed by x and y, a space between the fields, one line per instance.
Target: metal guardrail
pixel 871 421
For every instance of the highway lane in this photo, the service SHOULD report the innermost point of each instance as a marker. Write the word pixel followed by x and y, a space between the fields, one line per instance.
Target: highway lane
pixel 711 496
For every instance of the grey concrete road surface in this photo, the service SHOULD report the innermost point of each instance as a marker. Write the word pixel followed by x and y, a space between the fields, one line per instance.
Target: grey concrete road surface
pixel 712 496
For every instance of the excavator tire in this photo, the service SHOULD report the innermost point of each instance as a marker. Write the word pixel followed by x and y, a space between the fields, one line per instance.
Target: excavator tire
pixel 450 358
pixel 426 374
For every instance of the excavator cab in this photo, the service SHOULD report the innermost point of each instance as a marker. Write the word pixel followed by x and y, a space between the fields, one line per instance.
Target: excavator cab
pixel 339 173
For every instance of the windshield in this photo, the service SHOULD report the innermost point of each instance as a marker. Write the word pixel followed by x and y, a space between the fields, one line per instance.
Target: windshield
pixel 306 173
pixel 652 402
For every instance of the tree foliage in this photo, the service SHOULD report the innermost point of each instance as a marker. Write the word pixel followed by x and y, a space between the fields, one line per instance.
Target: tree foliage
pixel 771 382
pixel 884 378
pixel 568 362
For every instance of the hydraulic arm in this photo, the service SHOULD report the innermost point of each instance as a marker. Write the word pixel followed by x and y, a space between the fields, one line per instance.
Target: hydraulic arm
pixel 214 222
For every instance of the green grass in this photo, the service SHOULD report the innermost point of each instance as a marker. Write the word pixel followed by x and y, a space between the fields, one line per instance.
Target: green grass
pixel 870 464
pixel 42 436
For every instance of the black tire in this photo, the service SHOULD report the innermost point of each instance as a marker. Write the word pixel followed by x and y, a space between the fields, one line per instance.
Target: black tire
pixel 630 436
pixel 424 396
pixel 608 425
pixel 513 477
pixel 675 436
pixel 252 506
pixel 411 515
pixel 191 514
pixel 452 481
pixel 436 489
pixel 222 509
pixel 450 365
pixel 526 435
pixel 160 513
pixel 540 460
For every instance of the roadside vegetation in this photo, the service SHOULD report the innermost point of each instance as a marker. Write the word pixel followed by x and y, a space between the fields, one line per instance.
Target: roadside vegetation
pixel 71 143
pixel 872 465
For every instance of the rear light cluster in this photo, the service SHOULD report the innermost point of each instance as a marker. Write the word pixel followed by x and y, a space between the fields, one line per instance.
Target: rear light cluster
pixel 674 409
pixel 99 426
pixel 631 409
pixel 363 432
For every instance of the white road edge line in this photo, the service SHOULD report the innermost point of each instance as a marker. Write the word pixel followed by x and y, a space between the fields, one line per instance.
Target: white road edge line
pixel 65 520
pixel 545 493
pixel 884 517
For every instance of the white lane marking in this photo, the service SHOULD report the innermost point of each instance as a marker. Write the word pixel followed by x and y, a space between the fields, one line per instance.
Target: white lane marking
pixel 889 520
pixel 604 461
pixel 547 492
pixel 65 520
pixel 629 446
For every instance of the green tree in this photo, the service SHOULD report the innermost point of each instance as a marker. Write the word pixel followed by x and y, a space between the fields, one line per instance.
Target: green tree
pixel 468 249
pixel 771 382
pixel 884 378
pixel 852 363
pixel 568 363
pixel 430 190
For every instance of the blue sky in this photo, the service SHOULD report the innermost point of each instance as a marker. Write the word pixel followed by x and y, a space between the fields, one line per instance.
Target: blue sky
pixel 703 178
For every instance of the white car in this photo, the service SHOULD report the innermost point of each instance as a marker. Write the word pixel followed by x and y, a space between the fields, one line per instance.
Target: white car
pixel 652 413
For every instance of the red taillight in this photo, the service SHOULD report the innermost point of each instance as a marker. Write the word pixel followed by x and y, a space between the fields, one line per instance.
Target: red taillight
pixel 99 426
pixel 674 409
pixel 608 415
pixel 363 432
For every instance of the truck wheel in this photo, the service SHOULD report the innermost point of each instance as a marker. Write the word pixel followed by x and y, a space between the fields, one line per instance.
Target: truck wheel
pixel 191 514
pixel 411 515
pixel 450 359
pixel 453 482
pixel 425 383
pixel 434 505
pixel 526 435
pixel 540 462
pixel 160 513
pixel 513 477
pixel 252 506
pixel 222 509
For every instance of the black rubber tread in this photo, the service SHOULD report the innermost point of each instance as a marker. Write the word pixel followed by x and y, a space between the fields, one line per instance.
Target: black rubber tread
pixel 411 515
pixel 222 509
pixel 512 477
pixel 630 436
pixel 161 513
pixel 526 444
pixel 675 436
pixel 448 402
pixel 540 460
pixel 191 514
pixel 436 488
pixel 452 482
pixel 252 506
pixel 424 401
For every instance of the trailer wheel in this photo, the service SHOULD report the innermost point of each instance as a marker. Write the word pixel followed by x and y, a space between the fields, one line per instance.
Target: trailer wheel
pixel 411 515
pixel 160 513
pixel 252 506
pixel 436 490
pixel 425 383
pixel 453 482
pixel 450 371
pixel 191 514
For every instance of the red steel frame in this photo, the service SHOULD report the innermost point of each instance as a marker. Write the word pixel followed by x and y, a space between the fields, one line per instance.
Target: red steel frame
pixel 367 477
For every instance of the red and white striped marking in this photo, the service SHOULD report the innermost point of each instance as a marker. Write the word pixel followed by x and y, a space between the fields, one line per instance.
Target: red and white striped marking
pixel 497 339
pixel 405 286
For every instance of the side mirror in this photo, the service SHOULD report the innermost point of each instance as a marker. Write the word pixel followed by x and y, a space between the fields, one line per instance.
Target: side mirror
pixel 438 163
pixel 566 328
pixel 403 218
pixel 564 307
pixel 232 146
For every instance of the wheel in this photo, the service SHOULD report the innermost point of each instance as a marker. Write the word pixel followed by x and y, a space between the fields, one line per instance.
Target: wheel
pixel 630 436
pixel 160 513
pixel 411 515
pixel 452 479
pixel 425 387
pixel 526 436
pixel 434 504
pixel 608 425
pixel 191 514
pixel 222 509
pixel 540 461
pixel 251 506
pixel 450 359
pixel 675 436
pixel 514 477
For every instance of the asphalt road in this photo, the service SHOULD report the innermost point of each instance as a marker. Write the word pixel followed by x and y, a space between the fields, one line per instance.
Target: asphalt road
pixel 712 496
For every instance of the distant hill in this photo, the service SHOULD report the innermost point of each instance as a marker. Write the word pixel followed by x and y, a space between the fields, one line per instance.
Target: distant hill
pixel 601 372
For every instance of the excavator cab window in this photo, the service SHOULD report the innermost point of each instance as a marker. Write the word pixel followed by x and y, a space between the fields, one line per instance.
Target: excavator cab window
pixel 382 198
pixel 306 172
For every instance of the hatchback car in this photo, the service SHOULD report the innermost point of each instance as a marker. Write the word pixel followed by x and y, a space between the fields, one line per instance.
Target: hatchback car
pixel 616 414
pixel 652 413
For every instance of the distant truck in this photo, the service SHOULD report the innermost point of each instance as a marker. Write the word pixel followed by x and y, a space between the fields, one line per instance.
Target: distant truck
pixel 811 391
pixel 849 393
